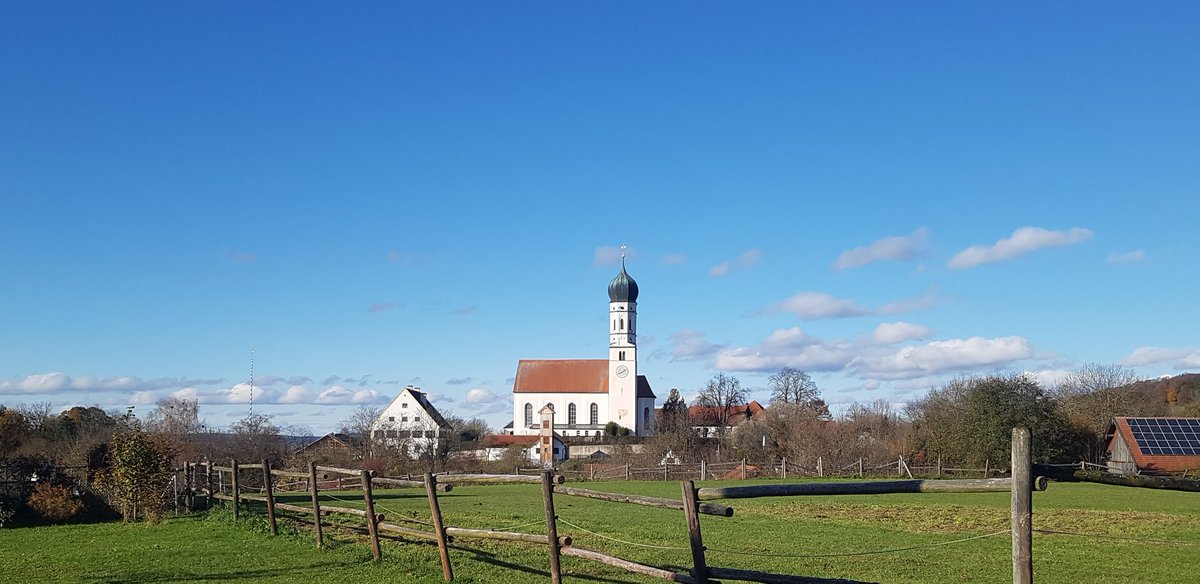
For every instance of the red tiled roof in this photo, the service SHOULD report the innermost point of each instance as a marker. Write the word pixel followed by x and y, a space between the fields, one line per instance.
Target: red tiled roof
pixel 561 376
pixel 709 415
pixel 506 440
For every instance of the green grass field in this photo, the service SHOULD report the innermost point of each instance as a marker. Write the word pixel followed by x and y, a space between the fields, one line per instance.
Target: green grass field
pixel 1133 535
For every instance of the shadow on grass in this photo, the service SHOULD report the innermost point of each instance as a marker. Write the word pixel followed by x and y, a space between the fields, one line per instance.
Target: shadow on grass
pixel 250 575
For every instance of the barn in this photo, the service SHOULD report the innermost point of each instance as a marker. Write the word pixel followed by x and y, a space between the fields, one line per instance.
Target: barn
pixel 1153 445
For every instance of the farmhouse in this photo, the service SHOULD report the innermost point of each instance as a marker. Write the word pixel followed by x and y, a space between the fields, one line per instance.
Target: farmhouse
pixel 412 423
pixel 1153 445
pixel 706 420
pixel 591 392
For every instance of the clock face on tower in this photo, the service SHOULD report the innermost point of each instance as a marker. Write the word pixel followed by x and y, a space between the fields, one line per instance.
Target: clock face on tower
pixel 622 371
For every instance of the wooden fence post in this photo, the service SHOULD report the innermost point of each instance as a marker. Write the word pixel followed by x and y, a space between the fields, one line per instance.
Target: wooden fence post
pixel 372 519
pixel 987 467
pixel 665 472
pixel 703 470
pixel 699 566
pixel 743 469
pixel 1022 507
pixel 270 491
pixel 316 502
pixel 438 528
pixel 552 524
pixel 783 468
pixel 189 495
pixel 626 471
pixel 820 466
pixel 939 466
pixel 233 482
pixel 208 491
pixel 860 470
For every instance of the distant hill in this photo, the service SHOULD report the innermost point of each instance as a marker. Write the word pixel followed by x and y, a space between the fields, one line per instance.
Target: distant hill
pixel 1169 396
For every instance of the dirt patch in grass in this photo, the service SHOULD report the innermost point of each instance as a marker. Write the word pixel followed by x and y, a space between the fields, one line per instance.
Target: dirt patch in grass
pixel 962 518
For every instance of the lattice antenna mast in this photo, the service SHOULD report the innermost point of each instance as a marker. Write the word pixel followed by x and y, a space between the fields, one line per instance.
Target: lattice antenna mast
pixel 251 382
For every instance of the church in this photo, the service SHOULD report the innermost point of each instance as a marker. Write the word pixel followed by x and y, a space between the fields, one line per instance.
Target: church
pixel 587 394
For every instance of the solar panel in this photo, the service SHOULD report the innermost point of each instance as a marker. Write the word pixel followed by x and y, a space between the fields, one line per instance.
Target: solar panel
pixel 1166 436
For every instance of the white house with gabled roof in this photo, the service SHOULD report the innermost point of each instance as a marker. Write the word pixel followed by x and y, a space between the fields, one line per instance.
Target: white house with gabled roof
pixel 411 422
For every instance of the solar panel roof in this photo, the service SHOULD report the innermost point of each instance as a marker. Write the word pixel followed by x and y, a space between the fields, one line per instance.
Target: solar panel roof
pixel 1166 436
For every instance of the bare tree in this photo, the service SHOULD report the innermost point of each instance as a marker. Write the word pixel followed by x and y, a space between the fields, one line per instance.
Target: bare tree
pixel 721 396
pixel 792 386
pixel 1096 392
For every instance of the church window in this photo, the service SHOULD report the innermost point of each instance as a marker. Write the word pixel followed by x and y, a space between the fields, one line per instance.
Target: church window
pixel 404 405
pixel 391 418
pixel 528 415
pixel 594 415
pixel 622 321
pixel 570 414
pixel 621 356
pixel 646 417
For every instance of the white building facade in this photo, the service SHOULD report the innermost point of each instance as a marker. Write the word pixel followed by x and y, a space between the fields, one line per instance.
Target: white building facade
pixel 587 394
pixel 412 423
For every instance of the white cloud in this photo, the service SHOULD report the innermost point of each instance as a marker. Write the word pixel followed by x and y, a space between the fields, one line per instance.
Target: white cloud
pixel 340 395
pixel 789 347
pixel 938 357
pixel 1048 378
pixel 143 398
pixel 610 255
pixel 818 305
pixel 888 333
pixel 896 247
pixel 1023 241
pixel 1128 257
pixel 46 383
pixel 296 394
pixel 1184 358
pixel 690 345
pixel 745 260
pixel 480 396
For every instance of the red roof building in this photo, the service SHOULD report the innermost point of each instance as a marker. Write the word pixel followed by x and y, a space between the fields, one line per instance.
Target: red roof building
pixel 1153 445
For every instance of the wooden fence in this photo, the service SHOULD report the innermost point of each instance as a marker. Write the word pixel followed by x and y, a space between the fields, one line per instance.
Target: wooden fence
pixel 778 469
pixel 208 480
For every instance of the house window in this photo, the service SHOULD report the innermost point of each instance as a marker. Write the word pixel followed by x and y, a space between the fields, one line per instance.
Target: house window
pixel 594 415
pixel 391 418
pixel 416 418
pixel 528 415
pixel 571 414
pixel 403 418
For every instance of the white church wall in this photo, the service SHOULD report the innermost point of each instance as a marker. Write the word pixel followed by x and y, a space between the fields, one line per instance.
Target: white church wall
pixel 561 403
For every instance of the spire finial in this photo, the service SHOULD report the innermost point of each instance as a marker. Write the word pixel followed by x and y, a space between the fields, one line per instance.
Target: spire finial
pixel 622 254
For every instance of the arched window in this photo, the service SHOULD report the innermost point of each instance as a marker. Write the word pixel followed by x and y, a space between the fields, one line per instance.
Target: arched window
pixel 645 417
pixel 570 414
pixel 594 415
pixel 622 321
pixel 528 415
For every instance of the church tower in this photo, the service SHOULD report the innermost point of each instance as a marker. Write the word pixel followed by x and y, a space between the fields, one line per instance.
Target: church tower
pixel 622 351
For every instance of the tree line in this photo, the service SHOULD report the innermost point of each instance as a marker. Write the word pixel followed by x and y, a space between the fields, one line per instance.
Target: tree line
pixel 966 421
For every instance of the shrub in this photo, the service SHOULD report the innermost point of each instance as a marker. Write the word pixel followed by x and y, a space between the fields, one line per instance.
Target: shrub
pixel 54 503
pixel 138 476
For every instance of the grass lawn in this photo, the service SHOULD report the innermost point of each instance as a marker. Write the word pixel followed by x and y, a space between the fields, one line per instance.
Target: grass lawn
pixel 1134 535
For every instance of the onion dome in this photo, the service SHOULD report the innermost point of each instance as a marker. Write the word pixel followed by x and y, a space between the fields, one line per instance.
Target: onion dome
pixel 622 288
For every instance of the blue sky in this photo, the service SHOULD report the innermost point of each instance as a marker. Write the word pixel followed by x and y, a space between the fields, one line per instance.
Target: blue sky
pixel 380 194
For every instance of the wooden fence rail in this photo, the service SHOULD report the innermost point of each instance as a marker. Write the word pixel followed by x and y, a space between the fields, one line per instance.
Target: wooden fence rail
pixel 693 503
